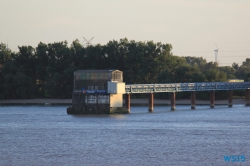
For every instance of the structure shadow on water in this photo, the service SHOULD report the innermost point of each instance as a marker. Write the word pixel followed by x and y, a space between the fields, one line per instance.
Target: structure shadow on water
pixel 161 109
pixel 167 109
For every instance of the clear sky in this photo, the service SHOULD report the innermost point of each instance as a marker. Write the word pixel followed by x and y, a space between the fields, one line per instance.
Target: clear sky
pixel 193 27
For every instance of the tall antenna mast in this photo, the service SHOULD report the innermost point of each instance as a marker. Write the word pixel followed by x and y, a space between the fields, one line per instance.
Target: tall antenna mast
pixel 88 42
pixel 216 54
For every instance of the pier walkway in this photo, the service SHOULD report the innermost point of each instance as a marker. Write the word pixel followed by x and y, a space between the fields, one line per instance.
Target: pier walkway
pixel 186 87
pixel 173 88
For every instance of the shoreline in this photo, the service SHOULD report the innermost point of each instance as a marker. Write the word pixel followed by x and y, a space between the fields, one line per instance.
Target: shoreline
pixel 132 102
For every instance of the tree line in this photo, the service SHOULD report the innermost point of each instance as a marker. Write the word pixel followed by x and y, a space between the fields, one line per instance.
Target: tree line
pixel 47 70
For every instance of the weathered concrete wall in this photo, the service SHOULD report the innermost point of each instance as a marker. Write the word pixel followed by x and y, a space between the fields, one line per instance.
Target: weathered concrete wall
pixel 116 100
pixel 96 104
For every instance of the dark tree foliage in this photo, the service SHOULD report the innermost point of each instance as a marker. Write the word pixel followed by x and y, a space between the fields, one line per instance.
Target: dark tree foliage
pixel 244 70
pixel 47 70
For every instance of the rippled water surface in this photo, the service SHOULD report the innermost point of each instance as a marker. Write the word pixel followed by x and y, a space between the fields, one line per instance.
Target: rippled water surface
pixel 46 135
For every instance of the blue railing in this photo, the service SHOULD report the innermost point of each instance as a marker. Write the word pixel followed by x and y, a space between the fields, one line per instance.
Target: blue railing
pixel 186 87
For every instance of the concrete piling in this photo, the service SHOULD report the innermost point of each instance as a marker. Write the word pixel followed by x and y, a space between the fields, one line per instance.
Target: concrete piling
pixel 127 102
pixel 151 102
pixel 230 98
pixel 173 101
pixel 193 96
pixel 247 97
pixel 212 99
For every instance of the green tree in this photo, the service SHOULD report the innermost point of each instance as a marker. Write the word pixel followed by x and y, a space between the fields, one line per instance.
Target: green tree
pixel 9 87
pixel 244 70
pixel 23 85
pixel 1 85
pixel 145 60
pixel 95 57
pixel 230 71
pixel 41 53
pixel 78 55
pixel 26 61
pixel 155 60
pixel 196 61
pixel 8 70
pixel 59 58
pixel 5 54
pixel 133 63
pixel 115 53
pixel 47 70
pixel 209 65
pixel 5 57
pixel 215 75
pixel 188 73
pixel 172 64
pixel 235 66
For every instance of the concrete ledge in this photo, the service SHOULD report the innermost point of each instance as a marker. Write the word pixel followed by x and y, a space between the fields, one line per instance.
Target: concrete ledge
pixel 119 110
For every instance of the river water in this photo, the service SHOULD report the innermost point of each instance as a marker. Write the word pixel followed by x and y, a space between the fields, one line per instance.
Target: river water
pixel 46 135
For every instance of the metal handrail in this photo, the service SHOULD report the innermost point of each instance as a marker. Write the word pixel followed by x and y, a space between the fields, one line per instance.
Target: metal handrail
pixel 186 87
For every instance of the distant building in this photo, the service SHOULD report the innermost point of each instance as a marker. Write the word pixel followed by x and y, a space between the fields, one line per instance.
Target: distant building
pixel 235 80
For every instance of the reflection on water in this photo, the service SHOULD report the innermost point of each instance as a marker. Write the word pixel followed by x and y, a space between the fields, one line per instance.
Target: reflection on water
pixel 46 135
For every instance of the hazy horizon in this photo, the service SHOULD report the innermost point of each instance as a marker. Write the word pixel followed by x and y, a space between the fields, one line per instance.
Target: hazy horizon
pixel 193 27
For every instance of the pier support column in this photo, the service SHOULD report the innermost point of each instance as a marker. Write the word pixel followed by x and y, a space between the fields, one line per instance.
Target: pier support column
pixel 193 100
pixel 151 102
pixel 173 101
pixel 127 102
pixel 230 98
pixel 212 99
pixel 247 97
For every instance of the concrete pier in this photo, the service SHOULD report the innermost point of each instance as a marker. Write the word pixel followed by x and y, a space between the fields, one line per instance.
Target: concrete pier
pixel 247 97
pixel 230 98
pixel 127 102
pixel 151 102
pixel 193 96
pixel 212 99
pixel 173 101
pixel 103 92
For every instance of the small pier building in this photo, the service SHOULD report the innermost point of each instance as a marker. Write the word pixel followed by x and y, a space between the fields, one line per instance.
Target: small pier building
pixel 98 92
